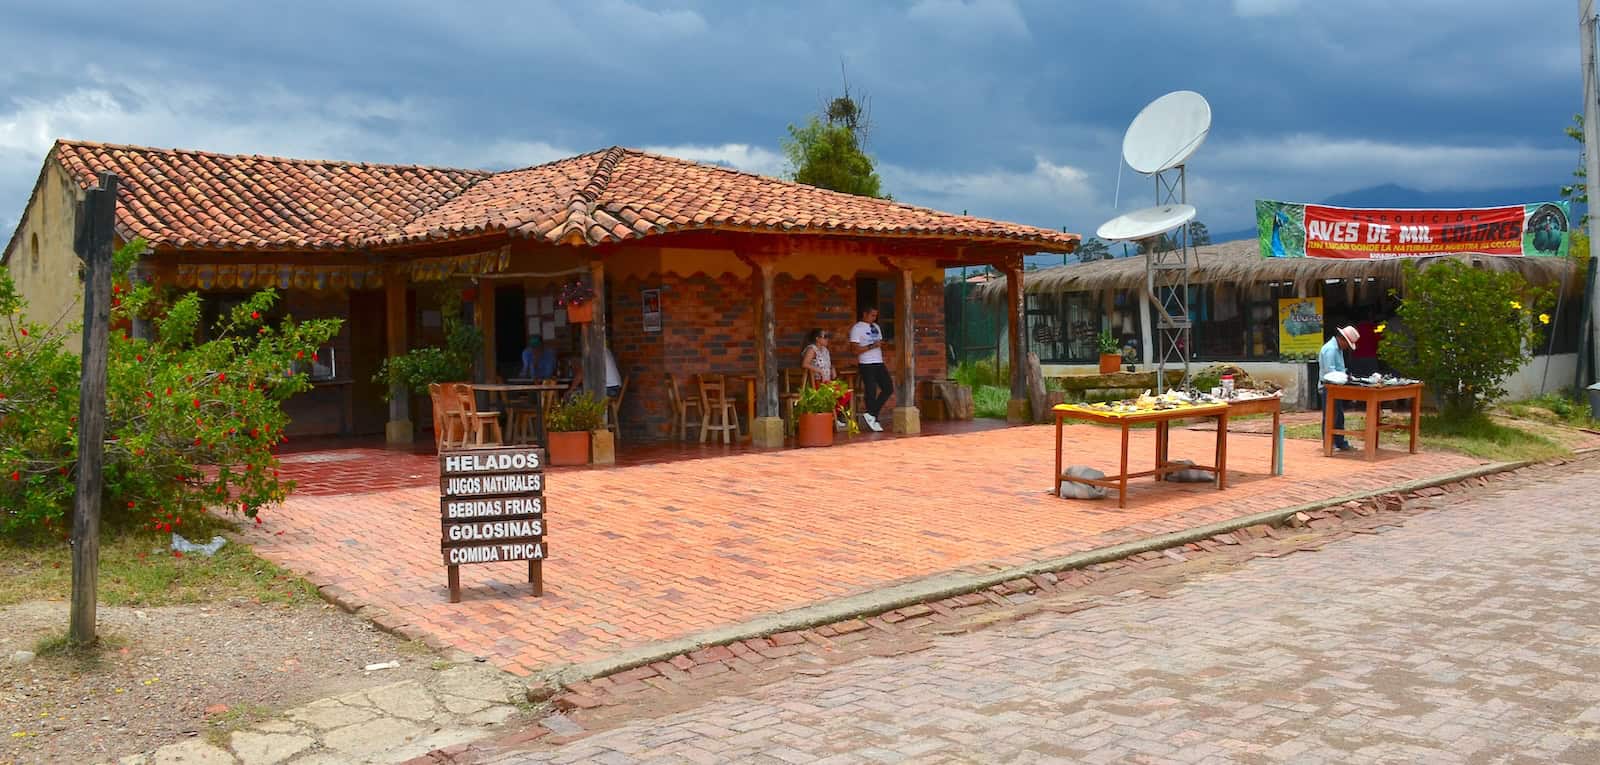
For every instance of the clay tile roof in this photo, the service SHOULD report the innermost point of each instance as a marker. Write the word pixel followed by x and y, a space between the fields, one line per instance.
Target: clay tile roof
pixel 201 200
pixel 621 194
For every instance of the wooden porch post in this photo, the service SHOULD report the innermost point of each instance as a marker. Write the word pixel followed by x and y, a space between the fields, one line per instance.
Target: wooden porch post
pixel 767 429
pixel 907 418
pixel 484 315
pixel 399 429
pixel 1017 407
pixel 594 334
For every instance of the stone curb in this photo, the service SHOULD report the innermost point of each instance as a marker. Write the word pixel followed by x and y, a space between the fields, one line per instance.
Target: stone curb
pixel 548 683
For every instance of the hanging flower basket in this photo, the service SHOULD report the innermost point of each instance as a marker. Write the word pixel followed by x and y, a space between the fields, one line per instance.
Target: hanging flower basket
pixel 578 298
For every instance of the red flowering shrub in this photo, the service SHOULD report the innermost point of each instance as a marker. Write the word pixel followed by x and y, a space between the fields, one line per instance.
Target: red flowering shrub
pixel 194 413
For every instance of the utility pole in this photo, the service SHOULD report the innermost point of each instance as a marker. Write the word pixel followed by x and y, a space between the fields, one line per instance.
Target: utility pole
pixel 96 226
pixel 1591 157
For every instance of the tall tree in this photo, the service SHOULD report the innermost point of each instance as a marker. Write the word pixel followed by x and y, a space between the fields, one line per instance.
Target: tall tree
pixel 1578 192
pixel 829 151
pixel 1199 235
pixel 1092 249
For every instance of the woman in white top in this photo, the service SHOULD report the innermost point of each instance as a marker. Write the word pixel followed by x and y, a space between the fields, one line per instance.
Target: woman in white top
pixel 816 359
pixel 817 362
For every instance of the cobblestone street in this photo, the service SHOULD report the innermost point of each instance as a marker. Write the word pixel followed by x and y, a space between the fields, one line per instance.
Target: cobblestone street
pixel 1469 634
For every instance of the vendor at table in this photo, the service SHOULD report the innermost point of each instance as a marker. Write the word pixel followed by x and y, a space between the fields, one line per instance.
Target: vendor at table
pixel 538 360
pixel 1330 361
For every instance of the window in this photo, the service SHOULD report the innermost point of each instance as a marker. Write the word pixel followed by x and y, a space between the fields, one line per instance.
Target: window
pixel 1236 322
pixel 877 292
pixel 1062 328
pixel 33 255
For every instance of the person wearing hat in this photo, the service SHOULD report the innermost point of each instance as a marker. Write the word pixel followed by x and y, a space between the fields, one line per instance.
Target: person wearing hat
pixel 538 360
pixel 1330 360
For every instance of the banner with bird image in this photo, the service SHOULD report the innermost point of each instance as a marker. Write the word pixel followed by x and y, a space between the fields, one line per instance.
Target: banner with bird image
pixel 1290 230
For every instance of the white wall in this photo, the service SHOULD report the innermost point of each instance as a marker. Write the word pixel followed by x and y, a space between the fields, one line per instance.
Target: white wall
pixel 1525 382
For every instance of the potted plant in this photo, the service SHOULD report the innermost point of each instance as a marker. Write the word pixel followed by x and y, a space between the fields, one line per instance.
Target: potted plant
pixel 578 298
pixel 813 413
pixel 567 427
pixel 1110 354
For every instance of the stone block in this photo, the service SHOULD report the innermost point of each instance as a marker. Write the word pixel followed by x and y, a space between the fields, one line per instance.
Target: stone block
pixel 907 420
pixel 399 432
pixel 767 432
pixel 603 447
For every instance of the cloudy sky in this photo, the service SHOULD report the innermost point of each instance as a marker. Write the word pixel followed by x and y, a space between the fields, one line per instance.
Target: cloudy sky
pixel 1006 108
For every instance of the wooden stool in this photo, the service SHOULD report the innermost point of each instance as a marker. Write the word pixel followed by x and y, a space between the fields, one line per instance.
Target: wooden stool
pixel 714 401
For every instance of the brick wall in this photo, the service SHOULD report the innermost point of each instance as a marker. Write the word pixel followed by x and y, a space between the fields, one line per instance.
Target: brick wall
pixel 709 324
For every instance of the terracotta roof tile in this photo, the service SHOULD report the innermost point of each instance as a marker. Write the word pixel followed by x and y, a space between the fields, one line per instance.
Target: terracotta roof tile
pixel 203 200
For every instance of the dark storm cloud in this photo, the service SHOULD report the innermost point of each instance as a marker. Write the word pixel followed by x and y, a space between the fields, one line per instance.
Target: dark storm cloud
pixel 1005 109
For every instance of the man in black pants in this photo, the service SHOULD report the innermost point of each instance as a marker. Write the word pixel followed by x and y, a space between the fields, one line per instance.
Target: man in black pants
pixel 867 340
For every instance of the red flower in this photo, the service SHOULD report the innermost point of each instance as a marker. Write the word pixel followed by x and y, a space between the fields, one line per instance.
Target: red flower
pixel 16 476
pixel 222 377
pixel 299 354
pixel 138 357
pixel 169 391
pixel 255 314
pixel 197 403
pixel 24 331
pixel 130 504
pixel 177 554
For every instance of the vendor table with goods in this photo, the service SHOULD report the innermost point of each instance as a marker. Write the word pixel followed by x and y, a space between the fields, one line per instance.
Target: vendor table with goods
pixel 1374 391
pixel 1160 410
pixel 1251 402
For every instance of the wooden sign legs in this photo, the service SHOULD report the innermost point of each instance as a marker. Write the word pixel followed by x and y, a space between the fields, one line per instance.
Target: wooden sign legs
pixel 535 577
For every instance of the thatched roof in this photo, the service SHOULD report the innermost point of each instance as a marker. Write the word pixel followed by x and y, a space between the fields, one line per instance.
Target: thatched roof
pixel 1241 262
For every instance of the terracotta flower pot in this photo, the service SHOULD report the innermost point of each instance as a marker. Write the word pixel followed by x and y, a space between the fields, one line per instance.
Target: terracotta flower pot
pixel 582 313
pixel 814 429
pixel 1110 363
pixel 569 448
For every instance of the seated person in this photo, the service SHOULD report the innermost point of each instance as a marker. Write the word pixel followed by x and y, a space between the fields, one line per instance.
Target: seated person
pixel 613 377
pixel 538 360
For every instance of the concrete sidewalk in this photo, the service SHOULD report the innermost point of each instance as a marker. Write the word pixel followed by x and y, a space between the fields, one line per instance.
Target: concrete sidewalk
pixel 658 552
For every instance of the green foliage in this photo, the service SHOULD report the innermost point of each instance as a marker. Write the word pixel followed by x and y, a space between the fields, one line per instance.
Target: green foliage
pixel 1106 342
pixel 830 156
pixel 1463 330
pixel 822 399
pixel 417 368
pixel 581 412
pixel 990 401
pixel 190 423
pixel 976 374
pixel 1199 235
pixel 1578 192
pixel 1092 249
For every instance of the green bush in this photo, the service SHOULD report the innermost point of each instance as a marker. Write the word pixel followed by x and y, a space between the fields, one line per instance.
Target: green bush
pixel 417 368
pixel 1463 330
pixel 990 401
pixel 190 424
pixel 581 412
pixel 976 374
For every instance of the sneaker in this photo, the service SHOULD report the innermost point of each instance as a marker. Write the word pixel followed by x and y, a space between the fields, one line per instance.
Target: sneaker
pixel 841 426
pixel 872 422
pixel 866 421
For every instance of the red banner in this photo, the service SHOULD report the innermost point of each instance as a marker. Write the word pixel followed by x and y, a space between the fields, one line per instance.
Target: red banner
pixel 1339 232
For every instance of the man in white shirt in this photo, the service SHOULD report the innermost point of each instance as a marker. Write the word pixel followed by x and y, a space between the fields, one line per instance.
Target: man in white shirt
pixel 613 377
pixel 867 339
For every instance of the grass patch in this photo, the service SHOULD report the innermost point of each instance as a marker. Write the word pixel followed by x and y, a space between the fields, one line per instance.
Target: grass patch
pixel 137 568
pixel 990 401
pixel 220 728
pixel 1563 408
pixel 1480 437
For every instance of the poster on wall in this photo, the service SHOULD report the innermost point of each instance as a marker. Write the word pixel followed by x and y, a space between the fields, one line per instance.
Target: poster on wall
pixel 651 300
pixel 1289 230
pixel 1299 328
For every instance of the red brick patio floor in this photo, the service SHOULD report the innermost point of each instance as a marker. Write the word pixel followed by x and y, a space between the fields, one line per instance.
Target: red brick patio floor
pixel 658 551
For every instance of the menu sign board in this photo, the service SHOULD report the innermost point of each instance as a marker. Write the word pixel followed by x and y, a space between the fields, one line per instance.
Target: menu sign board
pixel 491 510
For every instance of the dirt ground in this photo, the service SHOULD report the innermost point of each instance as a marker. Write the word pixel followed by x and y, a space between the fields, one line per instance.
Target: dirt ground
pixel 165 667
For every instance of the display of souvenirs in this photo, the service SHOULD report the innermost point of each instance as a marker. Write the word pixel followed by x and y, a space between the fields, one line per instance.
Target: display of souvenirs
pixel 1146 403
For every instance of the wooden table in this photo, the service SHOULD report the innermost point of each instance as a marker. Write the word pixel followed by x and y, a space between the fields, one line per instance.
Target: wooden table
pixel 502 392
pixel 1270 405
pixel 1373 395
pixel 1162 420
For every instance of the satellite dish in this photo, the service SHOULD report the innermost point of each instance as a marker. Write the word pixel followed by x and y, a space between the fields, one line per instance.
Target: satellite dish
pixel 1145 223
pixel 1166 132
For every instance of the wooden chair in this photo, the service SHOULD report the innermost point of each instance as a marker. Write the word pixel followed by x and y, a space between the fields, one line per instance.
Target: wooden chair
pixel 479 423
pixel 614 409
pixel 680 421
pixel 447 420
pixel 794 380
pixel 714 401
